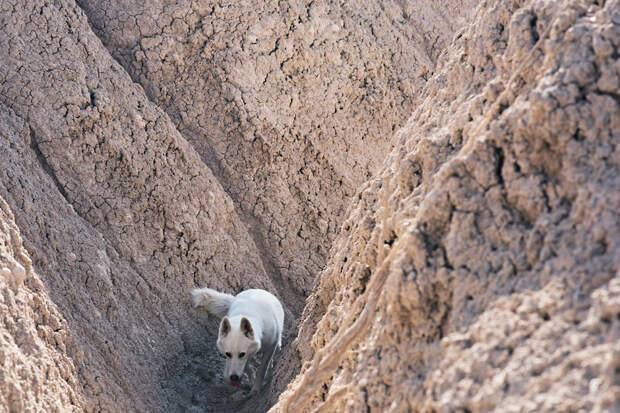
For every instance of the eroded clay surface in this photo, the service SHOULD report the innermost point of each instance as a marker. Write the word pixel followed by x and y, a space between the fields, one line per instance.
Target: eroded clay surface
pixel 440 180
pixel 479 270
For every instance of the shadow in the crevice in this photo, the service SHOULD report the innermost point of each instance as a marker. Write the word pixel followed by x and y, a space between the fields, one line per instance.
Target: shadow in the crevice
pixel 193 380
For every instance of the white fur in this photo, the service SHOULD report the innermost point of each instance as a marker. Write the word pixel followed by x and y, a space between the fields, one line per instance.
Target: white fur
pixel 263 317
pixel 216 303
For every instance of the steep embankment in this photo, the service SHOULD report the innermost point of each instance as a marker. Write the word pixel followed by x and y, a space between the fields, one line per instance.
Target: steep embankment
pixel 479 270
pixel 117 212
pixel 114 197
pixel 36 373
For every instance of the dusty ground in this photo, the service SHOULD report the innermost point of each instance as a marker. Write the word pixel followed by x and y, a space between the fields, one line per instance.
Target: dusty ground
pixel 431 188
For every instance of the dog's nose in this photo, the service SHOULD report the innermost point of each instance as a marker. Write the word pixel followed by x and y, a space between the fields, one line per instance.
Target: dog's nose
pixel 234 378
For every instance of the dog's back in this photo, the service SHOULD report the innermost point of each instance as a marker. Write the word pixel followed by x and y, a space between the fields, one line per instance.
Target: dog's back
pixel 264 305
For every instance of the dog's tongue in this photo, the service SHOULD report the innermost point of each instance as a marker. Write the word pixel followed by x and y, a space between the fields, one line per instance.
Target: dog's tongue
pixel 236 383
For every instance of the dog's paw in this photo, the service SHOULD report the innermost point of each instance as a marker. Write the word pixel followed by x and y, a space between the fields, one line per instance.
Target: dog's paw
pixel 239 396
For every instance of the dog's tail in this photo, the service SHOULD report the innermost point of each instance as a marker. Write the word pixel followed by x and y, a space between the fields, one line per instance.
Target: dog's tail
pixel 216 303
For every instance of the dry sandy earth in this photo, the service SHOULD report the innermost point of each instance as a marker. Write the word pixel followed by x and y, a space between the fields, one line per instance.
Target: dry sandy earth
pixel 432 189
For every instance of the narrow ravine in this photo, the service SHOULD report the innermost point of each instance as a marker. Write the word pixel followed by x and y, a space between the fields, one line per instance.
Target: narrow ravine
pixel 430 188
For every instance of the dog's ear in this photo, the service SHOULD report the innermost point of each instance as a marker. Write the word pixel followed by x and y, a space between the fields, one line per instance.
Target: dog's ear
pixel 224 327
pixel 246 327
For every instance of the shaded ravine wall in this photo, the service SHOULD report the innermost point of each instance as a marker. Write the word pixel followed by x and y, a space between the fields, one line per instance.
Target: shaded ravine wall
pixel 282 101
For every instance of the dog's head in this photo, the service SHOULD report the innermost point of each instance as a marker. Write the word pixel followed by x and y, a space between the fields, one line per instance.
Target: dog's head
pixel 237 343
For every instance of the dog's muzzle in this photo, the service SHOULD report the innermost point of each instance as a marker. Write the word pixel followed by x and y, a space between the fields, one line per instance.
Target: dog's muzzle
pixel 235 380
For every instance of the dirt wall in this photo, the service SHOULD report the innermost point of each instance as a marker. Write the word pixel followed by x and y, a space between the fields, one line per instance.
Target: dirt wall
pixel 478 271
pixel 431 189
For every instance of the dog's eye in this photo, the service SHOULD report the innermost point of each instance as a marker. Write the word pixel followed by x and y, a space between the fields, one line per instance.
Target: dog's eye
pixel 241 355
pixel 228 355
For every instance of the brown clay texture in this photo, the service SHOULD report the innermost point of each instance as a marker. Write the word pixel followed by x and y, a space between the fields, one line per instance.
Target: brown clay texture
pixel 431 188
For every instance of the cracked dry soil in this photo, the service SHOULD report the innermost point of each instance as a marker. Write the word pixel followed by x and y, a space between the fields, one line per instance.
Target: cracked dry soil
pixel 431 188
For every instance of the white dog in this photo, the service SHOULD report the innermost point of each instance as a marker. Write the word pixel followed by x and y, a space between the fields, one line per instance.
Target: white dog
pixel 252 320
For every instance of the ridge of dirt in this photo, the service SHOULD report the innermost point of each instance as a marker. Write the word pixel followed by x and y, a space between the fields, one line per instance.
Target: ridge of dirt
pixel 478 271
pixel 118 213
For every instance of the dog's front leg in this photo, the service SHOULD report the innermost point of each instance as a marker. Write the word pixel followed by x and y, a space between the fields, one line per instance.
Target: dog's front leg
pixel 269 373
pixel 260 373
